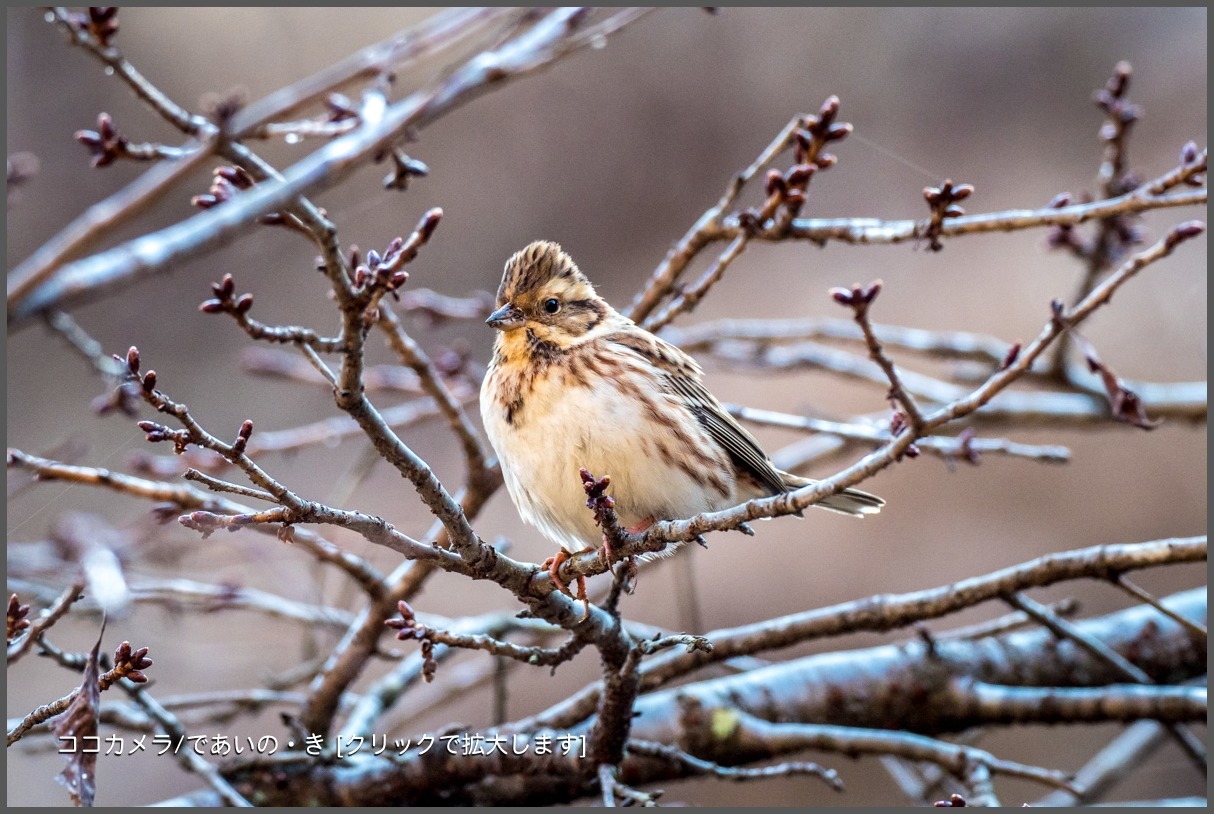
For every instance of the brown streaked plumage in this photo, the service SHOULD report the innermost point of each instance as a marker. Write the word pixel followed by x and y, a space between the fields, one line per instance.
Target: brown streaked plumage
pixel 574 384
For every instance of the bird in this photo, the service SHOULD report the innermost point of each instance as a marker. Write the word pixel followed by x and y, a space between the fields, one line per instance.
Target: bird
pixel 573 384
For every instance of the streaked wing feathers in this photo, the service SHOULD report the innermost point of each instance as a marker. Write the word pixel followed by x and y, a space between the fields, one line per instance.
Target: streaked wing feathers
pixel 682 375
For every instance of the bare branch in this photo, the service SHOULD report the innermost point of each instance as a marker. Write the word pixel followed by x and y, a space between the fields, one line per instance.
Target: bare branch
pixel 1063 629
pixel 696 238
pixel 743 734
pixel 416 360
pixel 181 496
pixel 859 299
pixel 407 627
pixel 1111 764
pixel 1121 581
pixel 889 612
pixel 45 620
pixel 694 765
pixel 553 37
pixel 962 447
pixel 870 231
pixel 943 344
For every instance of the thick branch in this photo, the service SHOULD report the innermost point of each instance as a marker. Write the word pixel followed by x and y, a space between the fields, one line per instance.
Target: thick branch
pixel 888 612
pixel 842 700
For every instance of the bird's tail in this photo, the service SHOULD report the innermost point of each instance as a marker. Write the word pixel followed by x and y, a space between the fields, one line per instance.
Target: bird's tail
pixel 849 501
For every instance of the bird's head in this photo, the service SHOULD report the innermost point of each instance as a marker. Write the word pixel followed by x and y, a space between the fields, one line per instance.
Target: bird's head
pixel 545 298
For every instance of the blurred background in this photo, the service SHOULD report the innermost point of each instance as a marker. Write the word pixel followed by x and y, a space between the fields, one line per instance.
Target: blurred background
pixel 614 153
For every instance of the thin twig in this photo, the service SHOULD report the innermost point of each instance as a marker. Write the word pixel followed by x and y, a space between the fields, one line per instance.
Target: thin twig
pixel 860 299
pixel 168 723
pixel 871 231
pixel 752 735
pixel 690 297
pixel 1181 400
pixel 1123 582
pixel 942 344
pixel 412 355
pixel 1110 765
pixel 217 485
pixel 45 621
pixel 957 448
pixel 182 496
pixel 672 266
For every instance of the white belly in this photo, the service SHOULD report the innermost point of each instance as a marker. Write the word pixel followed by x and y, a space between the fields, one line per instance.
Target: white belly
pixel 562 428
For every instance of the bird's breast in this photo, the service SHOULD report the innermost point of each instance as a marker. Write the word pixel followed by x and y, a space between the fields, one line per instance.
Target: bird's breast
pixel 609 417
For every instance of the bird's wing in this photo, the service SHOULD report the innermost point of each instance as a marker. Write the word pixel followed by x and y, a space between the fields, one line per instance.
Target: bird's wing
pixel 684 378
pixel 740 444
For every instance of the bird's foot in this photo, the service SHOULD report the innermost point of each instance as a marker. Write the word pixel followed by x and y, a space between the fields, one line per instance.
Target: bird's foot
pixel 553 565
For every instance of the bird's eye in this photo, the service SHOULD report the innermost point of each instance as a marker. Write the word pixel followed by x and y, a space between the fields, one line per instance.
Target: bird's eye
pixel 552 305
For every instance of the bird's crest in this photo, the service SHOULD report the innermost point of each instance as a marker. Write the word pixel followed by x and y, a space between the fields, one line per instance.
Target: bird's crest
pixel 530 268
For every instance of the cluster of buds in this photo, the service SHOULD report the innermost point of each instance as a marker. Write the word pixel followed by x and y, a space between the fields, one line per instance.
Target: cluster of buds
pixel 382 272
pixel 105 143
pixel 597 499
pixel 128 664
pixel 407 627
pixel 858 297
pixel 897 423
pixel 386 273
pixel 954 801
pixel 943 202
pixel 1194 162
pixel 17 618
pixel 147 382
pixel 818 131
pixel 1121 231
pixel 158 432
pixel 100 22
pixel 1111 99
pixel 226 181
pixel 603 507
pixel 1064 235
pixel 225 300
pixel 404 169
pixel 787 189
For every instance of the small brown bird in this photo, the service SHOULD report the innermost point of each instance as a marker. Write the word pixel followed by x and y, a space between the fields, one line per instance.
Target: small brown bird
pixel 574 384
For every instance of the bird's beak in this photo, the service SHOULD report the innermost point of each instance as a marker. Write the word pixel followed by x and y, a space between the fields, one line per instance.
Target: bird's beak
pixel 506 318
